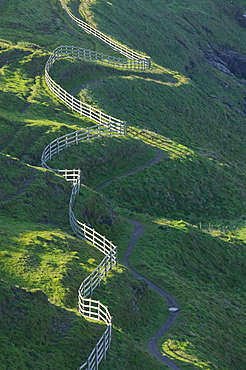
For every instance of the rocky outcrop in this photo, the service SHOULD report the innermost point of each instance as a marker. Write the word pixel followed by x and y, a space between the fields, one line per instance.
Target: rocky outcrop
pixel 227 61
pixel 242 19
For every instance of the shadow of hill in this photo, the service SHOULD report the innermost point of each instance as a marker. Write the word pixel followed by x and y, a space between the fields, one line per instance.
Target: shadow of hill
pixel 38 334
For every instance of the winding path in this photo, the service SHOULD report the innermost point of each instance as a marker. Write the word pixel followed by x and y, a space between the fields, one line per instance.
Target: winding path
pixel 105 126
pixel 28 182
pixel 152 345
pixel 153 161
pixel 137 232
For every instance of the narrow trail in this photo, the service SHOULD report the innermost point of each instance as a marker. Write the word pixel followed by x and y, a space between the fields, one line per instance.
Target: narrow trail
pixel 28 182
pixel 153 161
pixel 137 232
pixel 106 126
pixel 152 346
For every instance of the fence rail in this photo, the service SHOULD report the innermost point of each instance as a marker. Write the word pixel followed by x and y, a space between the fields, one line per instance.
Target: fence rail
pixel 68 99
pixel 88 307
pixel 144 61
pixel 87 134
pixel 106 125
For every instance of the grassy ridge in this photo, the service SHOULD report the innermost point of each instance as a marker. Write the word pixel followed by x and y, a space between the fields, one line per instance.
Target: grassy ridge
pixel 206 186
pixel 38 334
pixel 46 263
pixel 206 272
pixel 178 106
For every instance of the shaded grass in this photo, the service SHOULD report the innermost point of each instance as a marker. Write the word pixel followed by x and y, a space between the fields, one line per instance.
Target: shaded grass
pixel 180 114
pixel 131 312
pixel 104 158
pixel 38 334
pixel 206 274
pixel 48 259
pixel 165 29
pixel 192 188
pixel 34 197
pixel 178 106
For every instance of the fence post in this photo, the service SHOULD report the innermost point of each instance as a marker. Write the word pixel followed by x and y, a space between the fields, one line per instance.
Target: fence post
pixel 108 125
pixel 96 356
pixel 99 275
pixel 91 290
pixel 111 257
pixel 110 335
pixel 105 344
pixel 106 264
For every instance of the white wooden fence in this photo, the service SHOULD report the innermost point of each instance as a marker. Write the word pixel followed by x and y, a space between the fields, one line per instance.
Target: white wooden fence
pixel 87 134
pixel 106 126
pixel 68 99
pixel 143 61
pixel 88 307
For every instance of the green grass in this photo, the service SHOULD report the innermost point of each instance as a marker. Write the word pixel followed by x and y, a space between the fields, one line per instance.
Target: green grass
pixel 186 191
pixel 104 158
pixel 38 334
pixel 49 265
pixel 206 272
pixel 192 202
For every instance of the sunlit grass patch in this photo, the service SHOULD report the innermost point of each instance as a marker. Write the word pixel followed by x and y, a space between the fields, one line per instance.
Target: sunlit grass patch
pixel 175 78
pixel 184 352
pixel 40 257
pixel 179 225
pixel 198 134
pixel 160 75
pixel 38 334
pixel 228 230
pixel 16 82
pixel 174 149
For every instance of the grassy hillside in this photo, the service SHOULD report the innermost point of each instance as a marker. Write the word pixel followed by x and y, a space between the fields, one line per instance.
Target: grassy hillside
pixel 192 202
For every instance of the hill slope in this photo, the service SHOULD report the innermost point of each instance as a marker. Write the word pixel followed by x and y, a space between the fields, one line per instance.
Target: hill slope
pixel 192 202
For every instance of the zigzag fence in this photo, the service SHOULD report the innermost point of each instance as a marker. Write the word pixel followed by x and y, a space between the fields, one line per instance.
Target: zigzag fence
pixel 142 61
pixel 106 126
